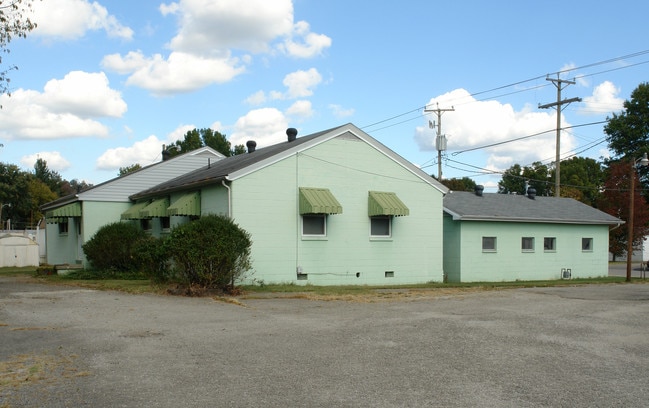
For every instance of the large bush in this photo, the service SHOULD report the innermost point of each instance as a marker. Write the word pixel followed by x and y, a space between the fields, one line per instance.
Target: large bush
pixel 150 257
pixel 211 252
pixel 111 249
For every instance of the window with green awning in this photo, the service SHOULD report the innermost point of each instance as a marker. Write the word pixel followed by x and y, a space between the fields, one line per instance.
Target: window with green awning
pixel 156 209
pixel 318 201
pixel 133 213
pixel 62 214
pixel 188 204
pixel 386 203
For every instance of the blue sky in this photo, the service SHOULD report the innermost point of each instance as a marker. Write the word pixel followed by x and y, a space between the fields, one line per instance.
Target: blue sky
pixel 104 84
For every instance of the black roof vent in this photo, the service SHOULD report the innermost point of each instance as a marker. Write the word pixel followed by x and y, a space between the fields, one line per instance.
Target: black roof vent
pixel 251 145
pixel 531 192
pixel 166 154
pixel 291 133
pixel 478 190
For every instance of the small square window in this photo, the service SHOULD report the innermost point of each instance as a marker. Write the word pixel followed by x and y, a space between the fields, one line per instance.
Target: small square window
pixel 146 224
pixel 527 244
pixel 314 224
pixel 165 223
pixel 549 244
pixel 587 244
pixel 380 226
pixel 488 244
pixel 63 227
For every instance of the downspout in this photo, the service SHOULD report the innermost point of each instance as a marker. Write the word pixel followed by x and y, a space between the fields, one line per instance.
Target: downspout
pixel 229 197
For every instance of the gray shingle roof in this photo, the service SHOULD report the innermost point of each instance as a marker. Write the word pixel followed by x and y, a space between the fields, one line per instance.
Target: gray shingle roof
pixel 219 170
pixel 519 208
pixel 236 165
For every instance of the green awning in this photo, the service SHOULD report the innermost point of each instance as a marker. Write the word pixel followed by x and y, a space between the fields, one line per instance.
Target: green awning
pixel 189 204
pixel 318 201
pixel 133 213
pixel 61 214
pixel 382 203
pixel 158 208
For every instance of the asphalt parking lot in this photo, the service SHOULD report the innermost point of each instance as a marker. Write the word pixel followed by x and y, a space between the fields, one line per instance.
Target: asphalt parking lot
pixel 584 346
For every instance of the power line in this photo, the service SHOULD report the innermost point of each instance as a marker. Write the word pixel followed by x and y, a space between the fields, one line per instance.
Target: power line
pixel 607 61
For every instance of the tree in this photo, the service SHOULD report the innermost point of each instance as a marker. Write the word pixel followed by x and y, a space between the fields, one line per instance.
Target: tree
pixel 39 194
pixel 129 169
pixel 459 184
pixel 14 22
pixel 197 138
pixel 627 132
pixel 14 190
pixel 615 201
pixel 582 179
pixel 51 178
pixel 537 176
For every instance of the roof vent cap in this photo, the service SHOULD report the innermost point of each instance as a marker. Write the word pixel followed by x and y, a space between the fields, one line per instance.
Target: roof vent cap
pixel 251 145
pixel 478 190
pixel 291 133
pixel 531 192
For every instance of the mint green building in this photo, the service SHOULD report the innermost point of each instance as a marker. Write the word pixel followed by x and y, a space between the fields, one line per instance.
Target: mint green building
pixel 501 237
pixel 72 220
pixel 332 208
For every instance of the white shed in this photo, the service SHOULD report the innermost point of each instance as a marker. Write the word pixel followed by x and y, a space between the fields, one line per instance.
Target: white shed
pixel 18 251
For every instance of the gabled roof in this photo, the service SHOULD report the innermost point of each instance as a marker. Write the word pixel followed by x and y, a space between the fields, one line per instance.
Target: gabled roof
pixel 118 189
pixel 467 206
pixel 240 165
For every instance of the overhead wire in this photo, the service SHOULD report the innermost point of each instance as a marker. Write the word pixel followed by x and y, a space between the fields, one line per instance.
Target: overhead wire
pixel 474 94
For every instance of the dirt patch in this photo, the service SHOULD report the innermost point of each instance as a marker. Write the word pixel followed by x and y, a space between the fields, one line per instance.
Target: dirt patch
pixel 377 295
pixel 30 369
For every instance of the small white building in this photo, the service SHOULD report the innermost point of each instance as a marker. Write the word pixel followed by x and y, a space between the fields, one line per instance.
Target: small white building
pixel 18 251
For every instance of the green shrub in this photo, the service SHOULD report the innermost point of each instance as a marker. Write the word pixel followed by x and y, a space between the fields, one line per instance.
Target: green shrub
pixel 211 252
pixel 111 249
pixel 151 257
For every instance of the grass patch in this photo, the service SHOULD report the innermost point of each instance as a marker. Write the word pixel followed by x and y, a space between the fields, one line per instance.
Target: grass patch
pixel 432 289
pixel 136 284
pixel 13 271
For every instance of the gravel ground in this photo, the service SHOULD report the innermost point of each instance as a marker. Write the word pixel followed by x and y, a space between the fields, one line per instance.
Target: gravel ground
pixel 585 346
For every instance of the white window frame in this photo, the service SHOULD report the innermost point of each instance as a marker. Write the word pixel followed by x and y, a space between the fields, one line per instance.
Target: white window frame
pixel 529 239
pixel 589 246
pixel 553 240
pixel 490 248
pixel 64 227
pixel 315 216
pixel 377 219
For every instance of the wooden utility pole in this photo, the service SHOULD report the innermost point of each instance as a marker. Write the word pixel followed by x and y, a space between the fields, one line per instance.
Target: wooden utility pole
pixel 559 83
pixel 440 141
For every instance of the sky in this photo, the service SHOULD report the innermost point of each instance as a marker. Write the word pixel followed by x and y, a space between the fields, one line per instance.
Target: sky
pixel 104 84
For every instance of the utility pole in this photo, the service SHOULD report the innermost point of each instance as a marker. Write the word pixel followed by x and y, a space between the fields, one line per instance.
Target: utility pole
pixel 559 83
pixel 440 141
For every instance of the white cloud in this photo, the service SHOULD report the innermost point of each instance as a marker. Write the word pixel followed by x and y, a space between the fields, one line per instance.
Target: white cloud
pixel 212 43
pixel 308 45
pixel 180 72
pixel 340 112
pixel 86 94
pixel 65 108
pixel 301 83
pixel 480 123
pixel 209 27
pixel 300 109
pixel 143 152
pixel 54 160
pixel 257 98
pixel 266 126
pixel 603 100
pixel 71 19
